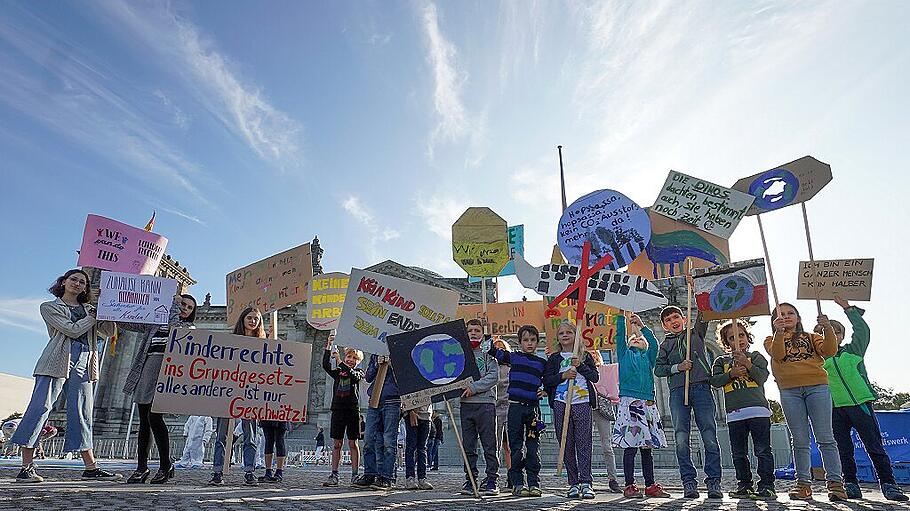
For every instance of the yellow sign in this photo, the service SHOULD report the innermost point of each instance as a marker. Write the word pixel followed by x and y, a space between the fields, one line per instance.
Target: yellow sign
pixel 480 242
pixel 326 299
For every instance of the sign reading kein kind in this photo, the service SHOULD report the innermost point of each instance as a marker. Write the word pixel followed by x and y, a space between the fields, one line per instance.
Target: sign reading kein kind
pixel 135 298
pixel 271 283
pixel 111 245
pixel 850 279
pixel 217 374
pixel 378 305
pixel 325 300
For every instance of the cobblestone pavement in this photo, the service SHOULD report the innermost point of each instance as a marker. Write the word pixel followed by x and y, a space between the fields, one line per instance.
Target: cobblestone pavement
pixel 302 489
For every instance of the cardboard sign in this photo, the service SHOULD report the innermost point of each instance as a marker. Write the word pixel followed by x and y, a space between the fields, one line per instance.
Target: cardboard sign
pixel 791 183
pixel 480 242
pixel 709 207
pixel 271 283
pixel 378 305
pixel 851 279
pixel 613 224
pixel 432 364
pixel 111 245
pixel 598 330
pixel 621 290
pixel 732 290
pixel 217 374
pixel 135 298
pixel 507 317
pixel 325 300
pixel 516 245
pixel 672 243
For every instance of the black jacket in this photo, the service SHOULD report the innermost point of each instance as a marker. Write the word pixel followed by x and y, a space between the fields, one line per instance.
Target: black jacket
pixel 552 377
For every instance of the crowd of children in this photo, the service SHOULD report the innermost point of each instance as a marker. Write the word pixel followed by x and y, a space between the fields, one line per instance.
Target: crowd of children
pixel 822 383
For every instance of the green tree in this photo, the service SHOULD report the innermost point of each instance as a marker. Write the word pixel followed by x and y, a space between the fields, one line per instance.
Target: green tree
pixel 777 413
pixel 888 399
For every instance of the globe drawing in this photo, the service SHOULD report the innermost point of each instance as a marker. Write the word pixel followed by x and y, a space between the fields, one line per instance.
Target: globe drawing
pixel 439 358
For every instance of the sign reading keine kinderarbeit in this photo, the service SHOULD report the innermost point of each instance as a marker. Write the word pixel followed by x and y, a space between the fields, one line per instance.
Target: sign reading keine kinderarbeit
pixel 271 283
pixel 217 374
pixel 851 279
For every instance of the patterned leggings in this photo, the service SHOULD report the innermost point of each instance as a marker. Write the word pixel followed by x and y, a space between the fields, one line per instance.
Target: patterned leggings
pixel 578 440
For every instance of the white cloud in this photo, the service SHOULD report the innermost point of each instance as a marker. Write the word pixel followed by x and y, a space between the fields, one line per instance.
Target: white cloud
pixel 22 313
pixel 440 212
pixel 377 233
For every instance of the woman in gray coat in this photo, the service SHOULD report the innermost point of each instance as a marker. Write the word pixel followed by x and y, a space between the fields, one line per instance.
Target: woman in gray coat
pixel 141 383
pixel 69 362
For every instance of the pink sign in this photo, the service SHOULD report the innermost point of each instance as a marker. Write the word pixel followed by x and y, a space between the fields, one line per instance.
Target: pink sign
pixel 115 246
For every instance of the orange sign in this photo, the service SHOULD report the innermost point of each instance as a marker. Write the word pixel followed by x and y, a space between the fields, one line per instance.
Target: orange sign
pixel 506 318
pixel 598 329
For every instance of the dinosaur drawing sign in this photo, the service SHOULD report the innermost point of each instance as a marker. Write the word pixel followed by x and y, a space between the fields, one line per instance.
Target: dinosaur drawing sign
pixel 712 208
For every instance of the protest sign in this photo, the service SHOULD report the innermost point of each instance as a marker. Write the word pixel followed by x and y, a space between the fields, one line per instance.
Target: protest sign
pixel 135 298
pixel 378 305
pixel 732 290
pixel 480 242
pixel 709 207
pixel 217 374
pixel 432 364
pixel 507 317
pixel 516 244
pixel 270 284
pixel 672 244
pixel 851 279
pixel 621 290
pixel 111 245
pixel 791 183
pixel 325 300
pixel 598 327
pixel 610 221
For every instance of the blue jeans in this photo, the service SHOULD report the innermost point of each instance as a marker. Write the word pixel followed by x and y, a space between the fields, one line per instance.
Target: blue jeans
pixel 380 447
pixel 250 445
pixel 701 402
pixel 433 453
pixel 415 451
pixel 801 406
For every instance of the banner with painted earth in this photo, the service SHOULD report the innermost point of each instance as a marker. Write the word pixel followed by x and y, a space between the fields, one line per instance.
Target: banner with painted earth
pixel 378 305
pixel 135 298
pixel 732 290
pixel 432 364
pixel 613 223
pixel 270 284
pixel 325 300
pixel 709 207
pixel 850 279
pixel 217 374
pixel 115 246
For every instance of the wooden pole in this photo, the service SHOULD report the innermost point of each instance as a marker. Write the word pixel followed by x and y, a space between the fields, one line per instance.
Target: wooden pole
pixel 818 303
pixel 764 244
pixel 228 447
pixel 274 324
pixel 735 335
pixel 688 331
pixel 378 383
pixel 464 455
pixel 483 306
pixel 562 178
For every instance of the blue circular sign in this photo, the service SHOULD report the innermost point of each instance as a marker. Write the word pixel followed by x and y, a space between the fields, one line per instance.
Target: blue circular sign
pixel 774 189
pixel 731 293
pixel 439 358
pixel 612 222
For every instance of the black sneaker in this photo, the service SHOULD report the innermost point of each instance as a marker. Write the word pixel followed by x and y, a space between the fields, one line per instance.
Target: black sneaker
pixel 249 479
pixel 217 479
pixel 690 490
pixel 893 492
pixel 381 484
pixel 363 482
pixel 766 493
pixel 614 486
pixel 488 487
pixel 743 491
pixel 100 475
pixel 714 489
pixel 29 475
pixel 467 488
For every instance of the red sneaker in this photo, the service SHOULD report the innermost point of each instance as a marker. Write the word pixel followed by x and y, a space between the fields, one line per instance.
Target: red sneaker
pixel 631 492
pixel 656 491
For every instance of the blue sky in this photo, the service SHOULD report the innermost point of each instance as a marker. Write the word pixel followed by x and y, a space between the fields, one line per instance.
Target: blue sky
pixel 252 127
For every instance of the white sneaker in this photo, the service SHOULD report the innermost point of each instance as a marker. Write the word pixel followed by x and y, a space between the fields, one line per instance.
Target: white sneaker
pixel 423 484
pixel 410 484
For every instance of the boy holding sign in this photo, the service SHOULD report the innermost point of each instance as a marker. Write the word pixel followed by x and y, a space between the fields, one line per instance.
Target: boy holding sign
pixel 345 406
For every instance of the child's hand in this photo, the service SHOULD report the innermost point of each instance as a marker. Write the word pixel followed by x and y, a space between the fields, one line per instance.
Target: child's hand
pixel 824 321
pixel 412 418
pixel 738 372
pixel 570 373
pixel 575 362
pixel 635 320
pixel 779 324
pixel 541 393
pixel 467 392
pixel 840 301
pixel 685 365
pixel 382 359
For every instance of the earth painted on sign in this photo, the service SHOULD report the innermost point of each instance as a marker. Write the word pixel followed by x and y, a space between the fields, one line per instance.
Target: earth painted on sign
pixel 730 294
pixel 439 358
pixel 774 189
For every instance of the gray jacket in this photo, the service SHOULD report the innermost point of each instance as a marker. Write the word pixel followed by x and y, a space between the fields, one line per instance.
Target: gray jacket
pixel 55 359
pixel 146 332
pixel 485 388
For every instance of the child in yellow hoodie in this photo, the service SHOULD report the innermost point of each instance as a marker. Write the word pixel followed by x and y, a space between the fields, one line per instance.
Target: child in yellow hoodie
pixel 797 362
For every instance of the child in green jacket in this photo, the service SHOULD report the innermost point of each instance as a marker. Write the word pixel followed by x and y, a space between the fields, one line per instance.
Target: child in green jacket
pixel 853 396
